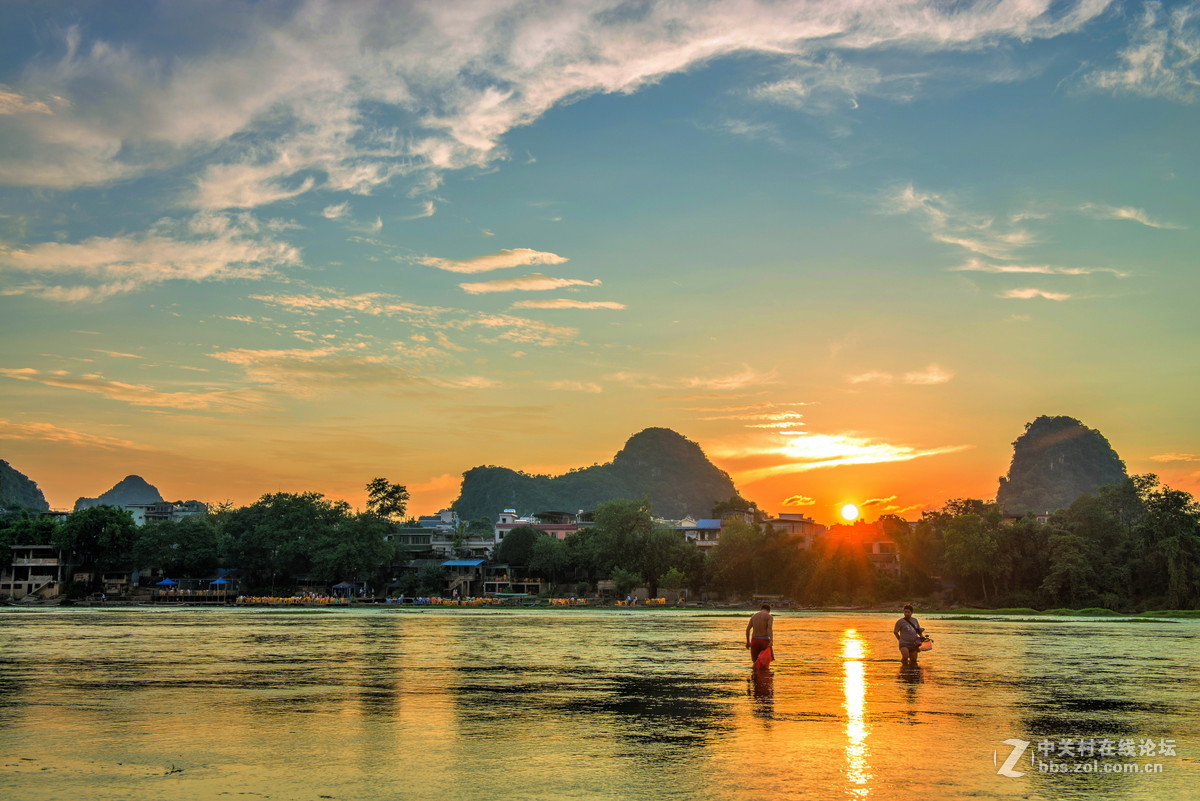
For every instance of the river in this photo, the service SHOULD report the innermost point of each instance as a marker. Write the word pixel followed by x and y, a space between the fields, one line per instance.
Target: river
pixel 487 704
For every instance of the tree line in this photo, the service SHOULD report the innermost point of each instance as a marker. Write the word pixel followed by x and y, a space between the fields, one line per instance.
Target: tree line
pixel 1131 545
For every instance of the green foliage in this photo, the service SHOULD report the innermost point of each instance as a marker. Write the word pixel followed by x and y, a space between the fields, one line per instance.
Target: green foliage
pixel 673 579
pixel 19 492
pixel 26 528
pixel 625 580
pixel 188 548
pixel 284 536
pixel 100 537
pixel 387 500
pixel 1055 461
pixel 517 546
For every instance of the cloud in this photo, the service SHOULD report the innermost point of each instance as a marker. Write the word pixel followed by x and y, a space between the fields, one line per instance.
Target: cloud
pixel 142 395
pixel 932 374
pixel 428 209
pixel 1176 457
pixel 245 186
pixel 1029 294
pixel 811 451
pixel 14 103
pixel 315 371
pixel 117 354
pixel 336 211
pixel 352 96
pixel 789 418
pixel 48 432
pixel 1126 213
pixel 876 502
pixel 799 500
pixel 205 248
pixel 490 327
pixel 567 385
pixel 980 266
pixel 562 303
pixel 515 257
pixel 946 222
pixel 1161 59
pixel 534 282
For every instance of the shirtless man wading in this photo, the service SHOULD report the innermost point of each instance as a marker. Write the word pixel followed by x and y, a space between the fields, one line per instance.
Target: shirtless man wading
pixel 759 631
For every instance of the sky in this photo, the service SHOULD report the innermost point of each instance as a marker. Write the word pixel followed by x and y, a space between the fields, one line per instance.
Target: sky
pixel 850 248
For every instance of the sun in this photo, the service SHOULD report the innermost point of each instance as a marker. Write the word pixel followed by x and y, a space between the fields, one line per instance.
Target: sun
pixel 849 513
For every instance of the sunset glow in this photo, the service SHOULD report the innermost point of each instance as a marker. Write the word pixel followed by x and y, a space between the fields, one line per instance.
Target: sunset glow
pixel 849 512
pixel 848 249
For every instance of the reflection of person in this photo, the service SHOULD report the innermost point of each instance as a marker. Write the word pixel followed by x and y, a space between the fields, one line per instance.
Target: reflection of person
pixel 908 632
pixel 759 631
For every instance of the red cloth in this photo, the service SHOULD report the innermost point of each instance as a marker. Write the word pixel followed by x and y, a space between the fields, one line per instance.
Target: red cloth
pixel 757 646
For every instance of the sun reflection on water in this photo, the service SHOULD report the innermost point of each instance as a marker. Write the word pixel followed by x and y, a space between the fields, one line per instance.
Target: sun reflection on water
pixel 854 687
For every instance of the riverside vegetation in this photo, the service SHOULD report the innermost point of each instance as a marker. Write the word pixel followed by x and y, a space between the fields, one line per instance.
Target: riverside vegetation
pixel 1133 545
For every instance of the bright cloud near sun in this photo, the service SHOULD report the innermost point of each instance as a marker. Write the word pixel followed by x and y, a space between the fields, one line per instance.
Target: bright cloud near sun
pixel 805 451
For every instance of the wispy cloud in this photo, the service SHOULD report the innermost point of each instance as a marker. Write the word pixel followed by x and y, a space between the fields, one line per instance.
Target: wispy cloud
pixel 14 103
pixel 1176 457
pixel 799 500
pixel 336 211
pixel 980 266
pixel 514 257
pixel 1162 57
pixel 1127 213
pixel 48 432
pixel 116 354
pixel 931 374
pixel 867 504
pixel 567 385
pixel 428 209
pixel 205 248
pixel 223 400
pixel 563 303
pixel 948 223
pixel 1030 294
pixel 534 282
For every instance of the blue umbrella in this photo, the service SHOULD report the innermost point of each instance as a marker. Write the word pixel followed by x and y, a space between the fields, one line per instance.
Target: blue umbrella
pixel 166 583
pixel 218 581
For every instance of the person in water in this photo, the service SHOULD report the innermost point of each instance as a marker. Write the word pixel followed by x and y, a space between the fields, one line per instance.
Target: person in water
pixel 908 633
pixel 759 632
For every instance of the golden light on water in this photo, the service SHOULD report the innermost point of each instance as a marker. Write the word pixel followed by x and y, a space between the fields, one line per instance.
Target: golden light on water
pixel 854 689
pixel 849 512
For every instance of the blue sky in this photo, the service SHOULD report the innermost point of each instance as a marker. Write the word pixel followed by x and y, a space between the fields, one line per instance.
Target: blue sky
pixel 849 248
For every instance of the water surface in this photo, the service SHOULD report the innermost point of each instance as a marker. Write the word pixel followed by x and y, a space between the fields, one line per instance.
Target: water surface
pixel 580 704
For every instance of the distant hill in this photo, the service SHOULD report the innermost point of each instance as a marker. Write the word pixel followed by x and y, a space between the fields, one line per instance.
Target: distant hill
pixel 658 463
pixel 1055 461
pixel 18 491
pixel 129 490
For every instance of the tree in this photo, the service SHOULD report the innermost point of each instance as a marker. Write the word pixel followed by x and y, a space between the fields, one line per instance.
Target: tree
pixel 388 500
pixel 27 528
pixel 621 526
pixel 101 537
pixel 971 550
pixel 187 548
pixel 274 538
pixel 673 579
pixel 517 546
pixel 356 549
pixel 550 558
pixel 624 580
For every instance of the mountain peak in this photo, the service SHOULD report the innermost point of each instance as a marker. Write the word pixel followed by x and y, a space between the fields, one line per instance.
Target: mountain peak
pixel 132 489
